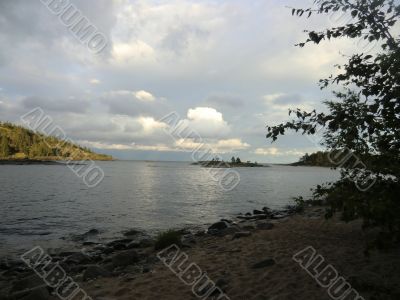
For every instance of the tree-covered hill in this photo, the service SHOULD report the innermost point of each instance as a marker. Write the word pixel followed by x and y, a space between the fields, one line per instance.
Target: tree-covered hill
pixel 17 142
pixel 317 159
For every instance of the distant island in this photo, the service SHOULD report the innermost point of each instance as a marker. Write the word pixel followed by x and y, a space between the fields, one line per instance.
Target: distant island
pixel 318 159
pixel 234 163
pixel 19 144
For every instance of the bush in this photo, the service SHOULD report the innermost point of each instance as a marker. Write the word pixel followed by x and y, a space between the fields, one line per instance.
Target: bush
pixel 167 238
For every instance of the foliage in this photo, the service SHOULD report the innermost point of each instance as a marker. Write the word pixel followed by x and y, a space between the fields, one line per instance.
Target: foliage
pixel 301 204
pixel 365 116
pixel 236 160
pixel 17 142
pixel 39 149
pixel 4 148
pixel 168 238
pixel 320 159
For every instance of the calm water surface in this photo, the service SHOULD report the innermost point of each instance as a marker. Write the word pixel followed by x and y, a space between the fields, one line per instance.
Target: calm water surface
pixel 44 205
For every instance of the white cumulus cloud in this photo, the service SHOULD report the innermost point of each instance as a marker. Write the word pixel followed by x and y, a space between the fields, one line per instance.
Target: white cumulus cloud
pixel 144 96
pixel 207 122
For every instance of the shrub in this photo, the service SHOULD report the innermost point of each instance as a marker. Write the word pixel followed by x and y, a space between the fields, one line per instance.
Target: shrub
pixel 167 238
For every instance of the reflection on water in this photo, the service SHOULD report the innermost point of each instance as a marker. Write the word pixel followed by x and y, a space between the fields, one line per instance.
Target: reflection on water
pixel 42 204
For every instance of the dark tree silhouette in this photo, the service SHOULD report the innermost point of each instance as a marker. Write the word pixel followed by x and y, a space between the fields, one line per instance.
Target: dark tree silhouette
pixel 365 116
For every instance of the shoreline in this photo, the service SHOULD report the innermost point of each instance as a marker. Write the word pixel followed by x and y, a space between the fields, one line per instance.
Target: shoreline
pixel 248 257
pixel 42 162
pixel 95 236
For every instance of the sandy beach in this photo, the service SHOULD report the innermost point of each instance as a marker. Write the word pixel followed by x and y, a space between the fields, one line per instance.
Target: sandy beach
pixel 230 261
pixel 259 264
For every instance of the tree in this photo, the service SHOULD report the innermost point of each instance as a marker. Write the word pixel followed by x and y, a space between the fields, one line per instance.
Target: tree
pixel 364 118
pixel 4 147
pixel 22 140
pixel 40 150
pixel 19 140
pixel 233 160
pixel 238 161
pixel 305 158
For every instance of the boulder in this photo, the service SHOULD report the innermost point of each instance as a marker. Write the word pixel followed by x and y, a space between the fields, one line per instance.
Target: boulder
pixel 122 241
pixel 81 237
pixel 133 245
pixel 200 233
pixel 38 293
pixel 266 209
pixel 27 283
pixel 7 264
pixel 146 269
pixel 125 258
pixel 94 271
pixel 89 244
pixel 227 221
pixel 248 227
pixel 188 239
pixel 277 216
pixel 76 269
pixel 264 263
pixel 92 232
pixel 66 253
pixel 258 212
pixel 255 217
pixel 119 246
pixel 183 231
pixel 224 232
pixel 147 242
pixel 108 250
pixel 78 258
pixel 219 226
pixel 221 283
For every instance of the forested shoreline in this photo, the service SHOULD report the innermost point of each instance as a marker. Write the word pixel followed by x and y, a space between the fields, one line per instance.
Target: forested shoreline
pixel 19 143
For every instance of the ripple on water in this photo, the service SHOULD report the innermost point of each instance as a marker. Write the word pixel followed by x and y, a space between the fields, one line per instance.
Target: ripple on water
pixel 44 203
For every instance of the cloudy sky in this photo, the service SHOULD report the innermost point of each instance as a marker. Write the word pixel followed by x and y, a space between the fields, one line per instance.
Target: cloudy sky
pixel 226 67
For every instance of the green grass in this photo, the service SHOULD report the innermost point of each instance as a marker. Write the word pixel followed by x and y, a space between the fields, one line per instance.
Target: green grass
pixel 167 238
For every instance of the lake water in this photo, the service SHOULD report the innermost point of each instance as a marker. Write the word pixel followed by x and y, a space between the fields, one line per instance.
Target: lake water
pixel 44 205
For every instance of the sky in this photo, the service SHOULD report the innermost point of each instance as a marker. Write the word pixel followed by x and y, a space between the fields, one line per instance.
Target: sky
pixel 227 68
